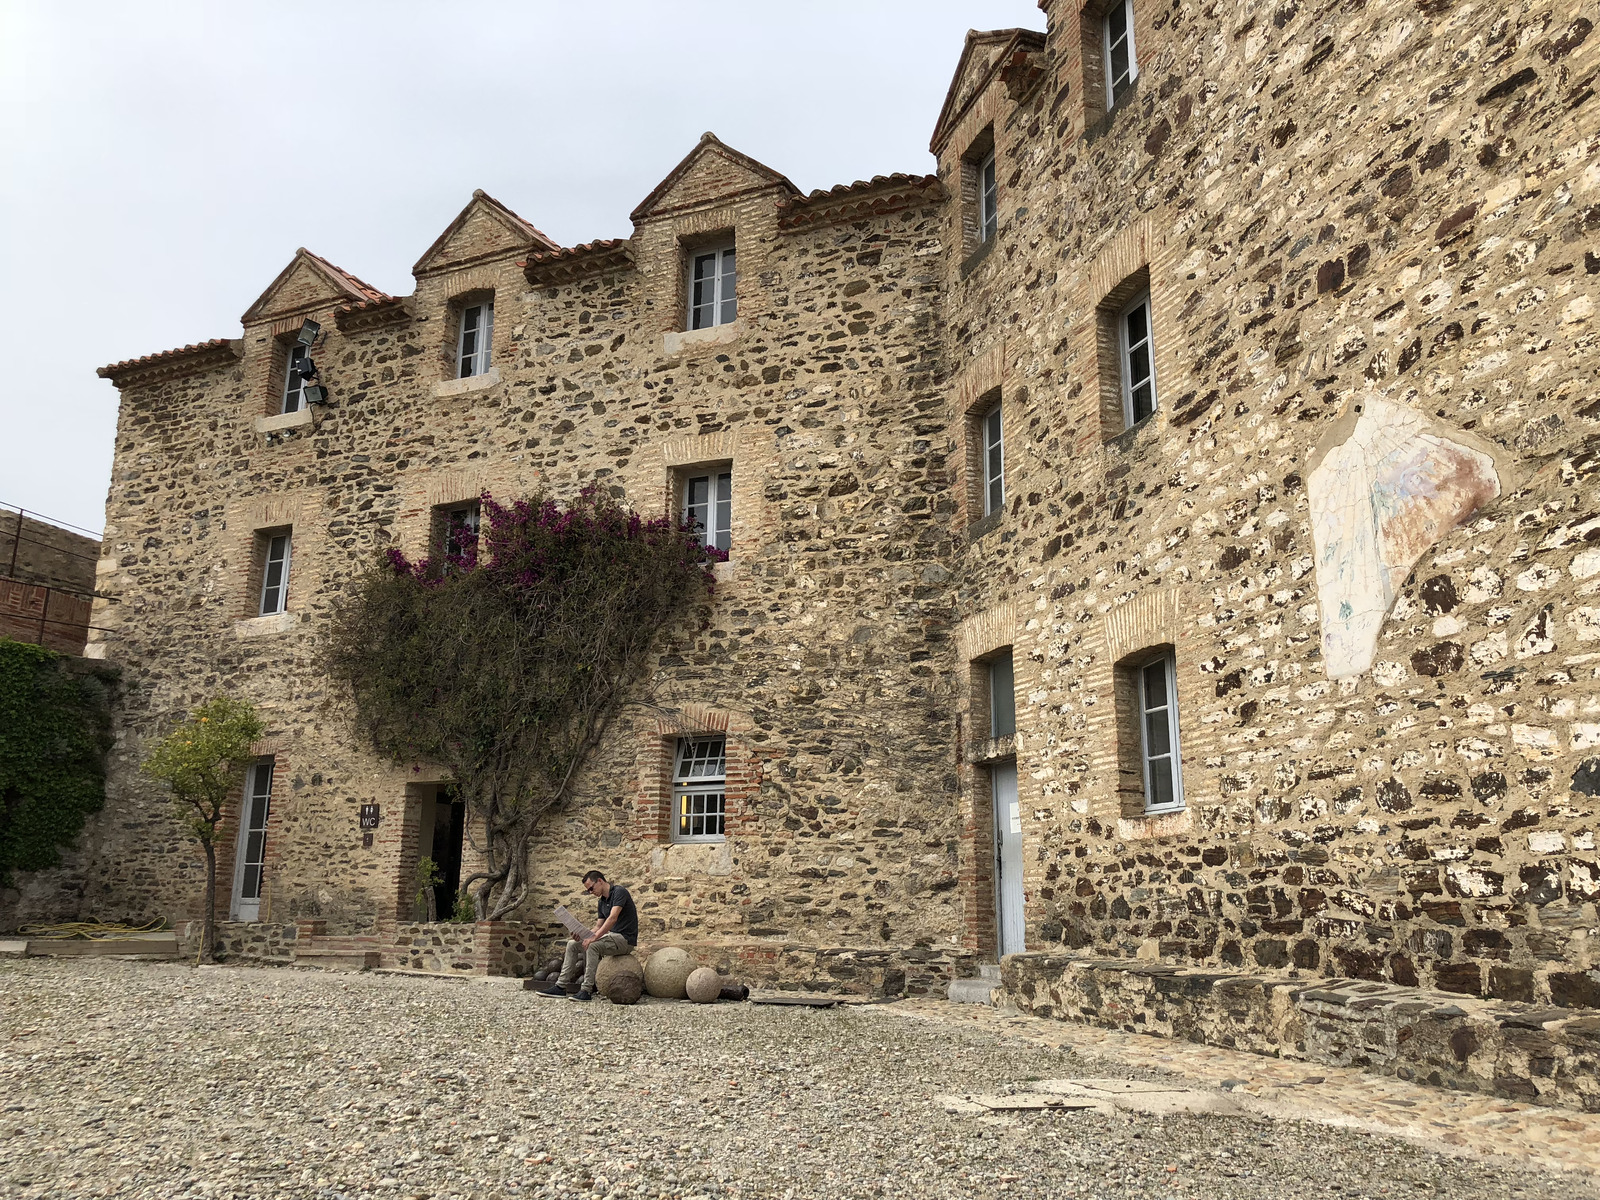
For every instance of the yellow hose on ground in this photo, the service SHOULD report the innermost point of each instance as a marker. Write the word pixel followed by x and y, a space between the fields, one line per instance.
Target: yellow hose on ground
pixel 91 929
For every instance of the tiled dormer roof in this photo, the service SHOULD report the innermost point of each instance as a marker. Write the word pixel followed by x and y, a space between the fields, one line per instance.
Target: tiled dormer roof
pixel 518 236
pixel 185 360
pixel 863 198
pixel 338 286
pixel 761 176
pixel 574 262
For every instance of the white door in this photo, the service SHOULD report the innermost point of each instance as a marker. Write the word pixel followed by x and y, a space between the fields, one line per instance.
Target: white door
pixel 251 855
pixel 1007 856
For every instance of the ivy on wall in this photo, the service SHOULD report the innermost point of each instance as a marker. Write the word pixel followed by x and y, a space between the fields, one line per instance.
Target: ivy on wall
pixel 55 728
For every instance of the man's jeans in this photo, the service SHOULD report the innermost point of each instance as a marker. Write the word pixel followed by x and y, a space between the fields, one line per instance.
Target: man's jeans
pixel 609 945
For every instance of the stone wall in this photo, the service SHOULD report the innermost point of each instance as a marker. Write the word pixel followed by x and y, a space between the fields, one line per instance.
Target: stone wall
pixel 251 942
pixel 47 578
pixel 1390 210
pixel 1517 1051
pixel 34 550
pixel 1358 518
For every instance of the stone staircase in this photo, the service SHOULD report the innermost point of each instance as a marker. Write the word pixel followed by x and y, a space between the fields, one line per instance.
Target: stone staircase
pixel 985 989
pixel 357 952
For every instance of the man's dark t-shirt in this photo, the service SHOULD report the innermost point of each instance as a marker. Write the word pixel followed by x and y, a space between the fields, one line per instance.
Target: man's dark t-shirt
pixel 628 919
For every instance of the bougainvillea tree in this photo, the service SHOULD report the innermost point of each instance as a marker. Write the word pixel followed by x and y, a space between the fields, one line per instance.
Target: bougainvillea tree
pixel 503 660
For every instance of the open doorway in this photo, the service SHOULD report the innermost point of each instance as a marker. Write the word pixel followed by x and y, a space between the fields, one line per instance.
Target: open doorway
pixel 444 827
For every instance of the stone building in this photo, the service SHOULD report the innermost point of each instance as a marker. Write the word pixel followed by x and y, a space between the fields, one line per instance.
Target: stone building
pixel 1163 533
pixel 47 574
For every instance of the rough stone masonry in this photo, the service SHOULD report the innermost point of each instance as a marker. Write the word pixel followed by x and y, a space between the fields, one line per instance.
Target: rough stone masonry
pixel 1233 382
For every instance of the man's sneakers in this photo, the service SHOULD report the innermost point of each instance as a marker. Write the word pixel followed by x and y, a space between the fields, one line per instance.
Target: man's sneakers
pixel 555 989
pixel 580 996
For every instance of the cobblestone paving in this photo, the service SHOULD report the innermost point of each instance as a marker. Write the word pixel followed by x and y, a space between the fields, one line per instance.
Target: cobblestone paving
pixel 157 1080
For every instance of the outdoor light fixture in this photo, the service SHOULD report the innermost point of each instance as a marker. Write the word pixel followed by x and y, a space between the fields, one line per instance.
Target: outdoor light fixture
pixel 315 393
pixel 309 330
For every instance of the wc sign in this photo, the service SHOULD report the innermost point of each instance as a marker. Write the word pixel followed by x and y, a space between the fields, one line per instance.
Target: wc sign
pixel 369 816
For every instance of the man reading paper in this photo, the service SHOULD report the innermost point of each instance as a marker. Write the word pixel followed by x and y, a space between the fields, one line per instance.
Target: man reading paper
pixel 617 933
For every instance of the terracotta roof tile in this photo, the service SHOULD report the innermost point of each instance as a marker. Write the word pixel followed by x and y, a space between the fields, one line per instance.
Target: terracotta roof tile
pixel 165 356
pixel 352 282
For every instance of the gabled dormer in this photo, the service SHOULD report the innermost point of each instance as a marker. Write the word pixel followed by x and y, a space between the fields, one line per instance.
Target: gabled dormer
pixel 483 231
pixel 699 232
pixel 997 69
pixel 307 284
pixel 712 173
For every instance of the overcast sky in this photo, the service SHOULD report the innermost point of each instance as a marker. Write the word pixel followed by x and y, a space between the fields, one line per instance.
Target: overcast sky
pixel 160 162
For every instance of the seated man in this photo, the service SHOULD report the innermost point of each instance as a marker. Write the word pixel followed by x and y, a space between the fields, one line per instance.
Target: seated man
pixel 617 933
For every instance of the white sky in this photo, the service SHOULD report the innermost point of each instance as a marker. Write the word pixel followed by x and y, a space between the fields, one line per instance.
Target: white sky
pixel 160 162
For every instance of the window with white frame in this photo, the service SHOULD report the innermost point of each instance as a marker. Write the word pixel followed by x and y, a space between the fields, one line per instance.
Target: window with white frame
pixel 994 462
pixel 1121 64
pixel 1138 361
pixel 699 796
pixel 1002 696
pixel 988 214
pixel 457 528
pixel 274 574
pixel 252 851
pixel 294 384
pixel 1158 733
pixel 708 508
pixel 713 280
pixel 476 336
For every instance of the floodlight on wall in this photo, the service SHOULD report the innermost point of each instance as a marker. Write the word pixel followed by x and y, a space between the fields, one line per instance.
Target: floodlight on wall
pixel 309 330
pixel 315 393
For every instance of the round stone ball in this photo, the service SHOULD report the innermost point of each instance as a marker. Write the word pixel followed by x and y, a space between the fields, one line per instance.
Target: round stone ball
pixel 704 985
pixel 667 973
pixel 541 975
pixel 620 978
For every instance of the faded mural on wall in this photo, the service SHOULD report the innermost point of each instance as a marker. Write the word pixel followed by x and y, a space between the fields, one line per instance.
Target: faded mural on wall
pixel 1379 499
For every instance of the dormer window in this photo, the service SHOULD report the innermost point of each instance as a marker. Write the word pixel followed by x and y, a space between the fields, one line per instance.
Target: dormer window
pixel 1122 65
pixel 713 276
pixel 472 347
pixel 988 214
pixel 294 384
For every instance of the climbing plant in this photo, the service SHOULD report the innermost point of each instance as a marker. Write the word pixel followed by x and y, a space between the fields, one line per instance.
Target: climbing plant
pixel 203 762
pixel 55 727
pixel 505 661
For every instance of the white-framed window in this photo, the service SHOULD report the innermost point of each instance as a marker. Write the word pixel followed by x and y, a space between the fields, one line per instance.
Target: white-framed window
pixel 713 280
pixel 994 462
pixel 699 797
pixel 477 334
pixel 294 386
pixel 458 528
pixel 1122 65
pixel 1002 696
pixel 251 855
pixel 708 508
pixel 988 214
pixel 275 574
pixel 1138 361
pixel 1158 733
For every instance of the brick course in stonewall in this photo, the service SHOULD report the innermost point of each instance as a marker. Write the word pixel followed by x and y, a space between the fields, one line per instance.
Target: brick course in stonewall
pixel 1358 524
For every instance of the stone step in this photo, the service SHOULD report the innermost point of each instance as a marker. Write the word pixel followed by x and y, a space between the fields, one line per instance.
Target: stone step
pixel 990 971
pixel 337 958
pixel 973 991
pixel 145 945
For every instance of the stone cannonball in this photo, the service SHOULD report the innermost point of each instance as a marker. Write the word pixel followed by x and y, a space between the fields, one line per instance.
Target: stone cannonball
pixel 620 978
pixel 704 985
pixel 667 973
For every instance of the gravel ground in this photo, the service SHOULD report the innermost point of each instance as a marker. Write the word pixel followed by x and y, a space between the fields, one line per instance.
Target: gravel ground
pixel 144 1080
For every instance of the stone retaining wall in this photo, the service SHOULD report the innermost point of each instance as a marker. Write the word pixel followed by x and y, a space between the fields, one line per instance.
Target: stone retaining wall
pixel 244 942
pixel 484 948
pixel 1519 1051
